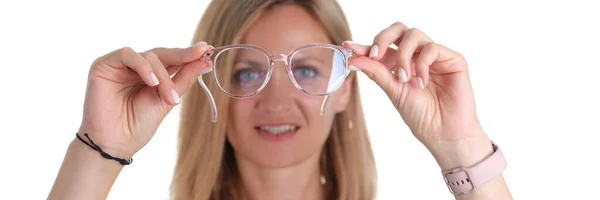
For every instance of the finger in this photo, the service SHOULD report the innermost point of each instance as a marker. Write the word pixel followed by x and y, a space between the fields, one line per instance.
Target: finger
pixel 428 55
pixel 385 38
pixel 165 89
pixel 357 49
pixel 127 57
pixel 377 72
pixel 174 69
pixel 388 59
pixel 450 61
pixel 189 73
pixel 180 56
pixel 413 39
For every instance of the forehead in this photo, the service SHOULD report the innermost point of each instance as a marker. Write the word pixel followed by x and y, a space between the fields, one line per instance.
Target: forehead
pixel 283 28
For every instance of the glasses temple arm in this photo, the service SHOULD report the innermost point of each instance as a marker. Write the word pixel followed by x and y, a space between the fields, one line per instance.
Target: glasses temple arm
pixel 213 106
pixel 323 105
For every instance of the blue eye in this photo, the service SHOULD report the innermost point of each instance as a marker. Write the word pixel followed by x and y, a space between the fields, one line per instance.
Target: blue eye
pixel 305 72
pixel 245 75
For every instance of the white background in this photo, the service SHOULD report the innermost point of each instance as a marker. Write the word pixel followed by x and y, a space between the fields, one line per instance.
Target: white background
pixel 534 68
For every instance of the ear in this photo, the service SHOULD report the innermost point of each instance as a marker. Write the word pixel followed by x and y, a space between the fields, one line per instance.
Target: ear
pixel 344 95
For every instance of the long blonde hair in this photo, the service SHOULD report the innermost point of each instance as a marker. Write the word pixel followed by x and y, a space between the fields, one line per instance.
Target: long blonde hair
pixel 206 166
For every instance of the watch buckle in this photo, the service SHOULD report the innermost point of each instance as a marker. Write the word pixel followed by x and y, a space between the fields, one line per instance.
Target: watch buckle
pixel 456 171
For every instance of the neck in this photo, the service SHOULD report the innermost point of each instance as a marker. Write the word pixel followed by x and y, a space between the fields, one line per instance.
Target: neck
pixel 301 181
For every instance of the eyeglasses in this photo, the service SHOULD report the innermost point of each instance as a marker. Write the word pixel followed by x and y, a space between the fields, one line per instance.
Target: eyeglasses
pixel 242 70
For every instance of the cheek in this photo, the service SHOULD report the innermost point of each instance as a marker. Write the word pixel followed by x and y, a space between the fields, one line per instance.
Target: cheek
pixel 319 126
pixel 239 113
pixel 323 124
pixel 311 108
pixel 332 105
pixel 240 109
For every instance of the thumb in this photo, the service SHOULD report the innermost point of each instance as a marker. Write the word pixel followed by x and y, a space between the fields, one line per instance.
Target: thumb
pixel 379 73
pixel 188 73
pixel 187 76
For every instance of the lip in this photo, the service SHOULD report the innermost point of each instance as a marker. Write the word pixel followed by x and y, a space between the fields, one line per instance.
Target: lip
pixel 276 138
pixel 275 124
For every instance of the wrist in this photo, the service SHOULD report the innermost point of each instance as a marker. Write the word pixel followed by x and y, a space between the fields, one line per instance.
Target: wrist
pixel 462 153
pixel 84 172
pixel 106 141
pixel 86 155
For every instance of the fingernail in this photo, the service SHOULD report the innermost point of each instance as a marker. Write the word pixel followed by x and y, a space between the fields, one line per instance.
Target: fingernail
pixel 154 78
pixel 374 51
pixel 175 96
pixel 354 68
pixel 420 80
pixel 200 43
pixel 402 73
pixel 205 70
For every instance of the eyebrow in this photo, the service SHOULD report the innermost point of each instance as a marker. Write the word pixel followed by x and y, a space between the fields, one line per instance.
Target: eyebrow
pixel 252 63
pixel 305 58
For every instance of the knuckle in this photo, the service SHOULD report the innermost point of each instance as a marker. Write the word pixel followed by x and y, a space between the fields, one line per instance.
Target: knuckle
pixel 98 60
pixel 414 29
pixel 111 55
pixel 379 37
pixel 149 55
pixel 391 32
pixel 415 32
pixel 124 51
pixel 384 35
pixel 432 47
pixel 156 49
pixel 400 24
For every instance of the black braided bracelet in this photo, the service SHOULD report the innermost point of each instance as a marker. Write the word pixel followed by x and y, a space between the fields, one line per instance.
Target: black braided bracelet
pixel 104 154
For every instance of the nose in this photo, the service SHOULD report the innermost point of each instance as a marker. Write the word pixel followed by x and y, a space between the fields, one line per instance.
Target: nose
pixel 279 93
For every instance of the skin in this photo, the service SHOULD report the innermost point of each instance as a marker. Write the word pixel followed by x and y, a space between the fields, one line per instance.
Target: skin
pixel 124 106
pixel 287 169
pixel 431 90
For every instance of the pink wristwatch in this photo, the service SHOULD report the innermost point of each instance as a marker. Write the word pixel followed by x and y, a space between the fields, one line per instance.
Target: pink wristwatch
pixel 464 179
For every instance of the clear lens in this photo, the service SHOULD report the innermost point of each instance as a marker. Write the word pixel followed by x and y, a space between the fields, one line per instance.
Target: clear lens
pixel 318 70
pixel 243 70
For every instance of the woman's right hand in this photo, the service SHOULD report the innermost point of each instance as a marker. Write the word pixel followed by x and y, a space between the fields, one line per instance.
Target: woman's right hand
pixel 129 94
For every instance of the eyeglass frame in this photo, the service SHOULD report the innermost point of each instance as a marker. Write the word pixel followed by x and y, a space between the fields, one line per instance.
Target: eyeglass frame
pixel 271 59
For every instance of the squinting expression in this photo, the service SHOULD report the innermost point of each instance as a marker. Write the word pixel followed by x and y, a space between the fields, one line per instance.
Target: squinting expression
pixel 282 126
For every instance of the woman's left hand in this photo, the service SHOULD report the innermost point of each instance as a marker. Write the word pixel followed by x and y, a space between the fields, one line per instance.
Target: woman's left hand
pixel 429 85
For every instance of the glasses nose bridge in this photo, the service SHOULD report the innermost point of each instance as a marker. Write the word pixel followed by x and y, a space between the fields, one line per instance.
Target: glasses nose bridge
pixel 279 58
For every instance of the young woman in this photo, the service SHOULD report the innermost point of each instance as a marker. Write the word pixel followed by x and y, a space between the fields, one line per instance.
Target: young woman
pixel 271 108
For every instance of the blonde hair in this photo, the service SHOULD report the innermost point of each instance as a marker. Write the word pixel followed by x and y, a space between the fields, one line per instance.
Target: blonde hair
pixel 206 168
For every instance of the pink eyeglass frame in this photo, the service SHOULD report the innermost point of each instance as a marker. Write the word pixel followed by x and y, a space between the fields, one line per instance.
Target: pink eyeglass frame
pixel 272 59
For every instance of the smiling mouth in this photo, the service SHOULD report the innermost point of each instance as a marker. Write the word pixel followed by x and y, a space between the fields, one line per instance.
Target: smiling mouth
pixel 277 133
pixel 277 130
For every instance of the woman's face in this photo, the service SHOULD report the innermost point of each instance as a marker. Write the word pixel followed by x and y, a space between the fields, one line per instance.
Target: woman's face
pixel 282 126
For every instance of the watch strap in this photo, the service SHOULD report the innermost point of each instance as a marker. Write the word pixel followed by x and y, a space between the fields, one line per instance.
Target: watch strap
pixel 464 179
